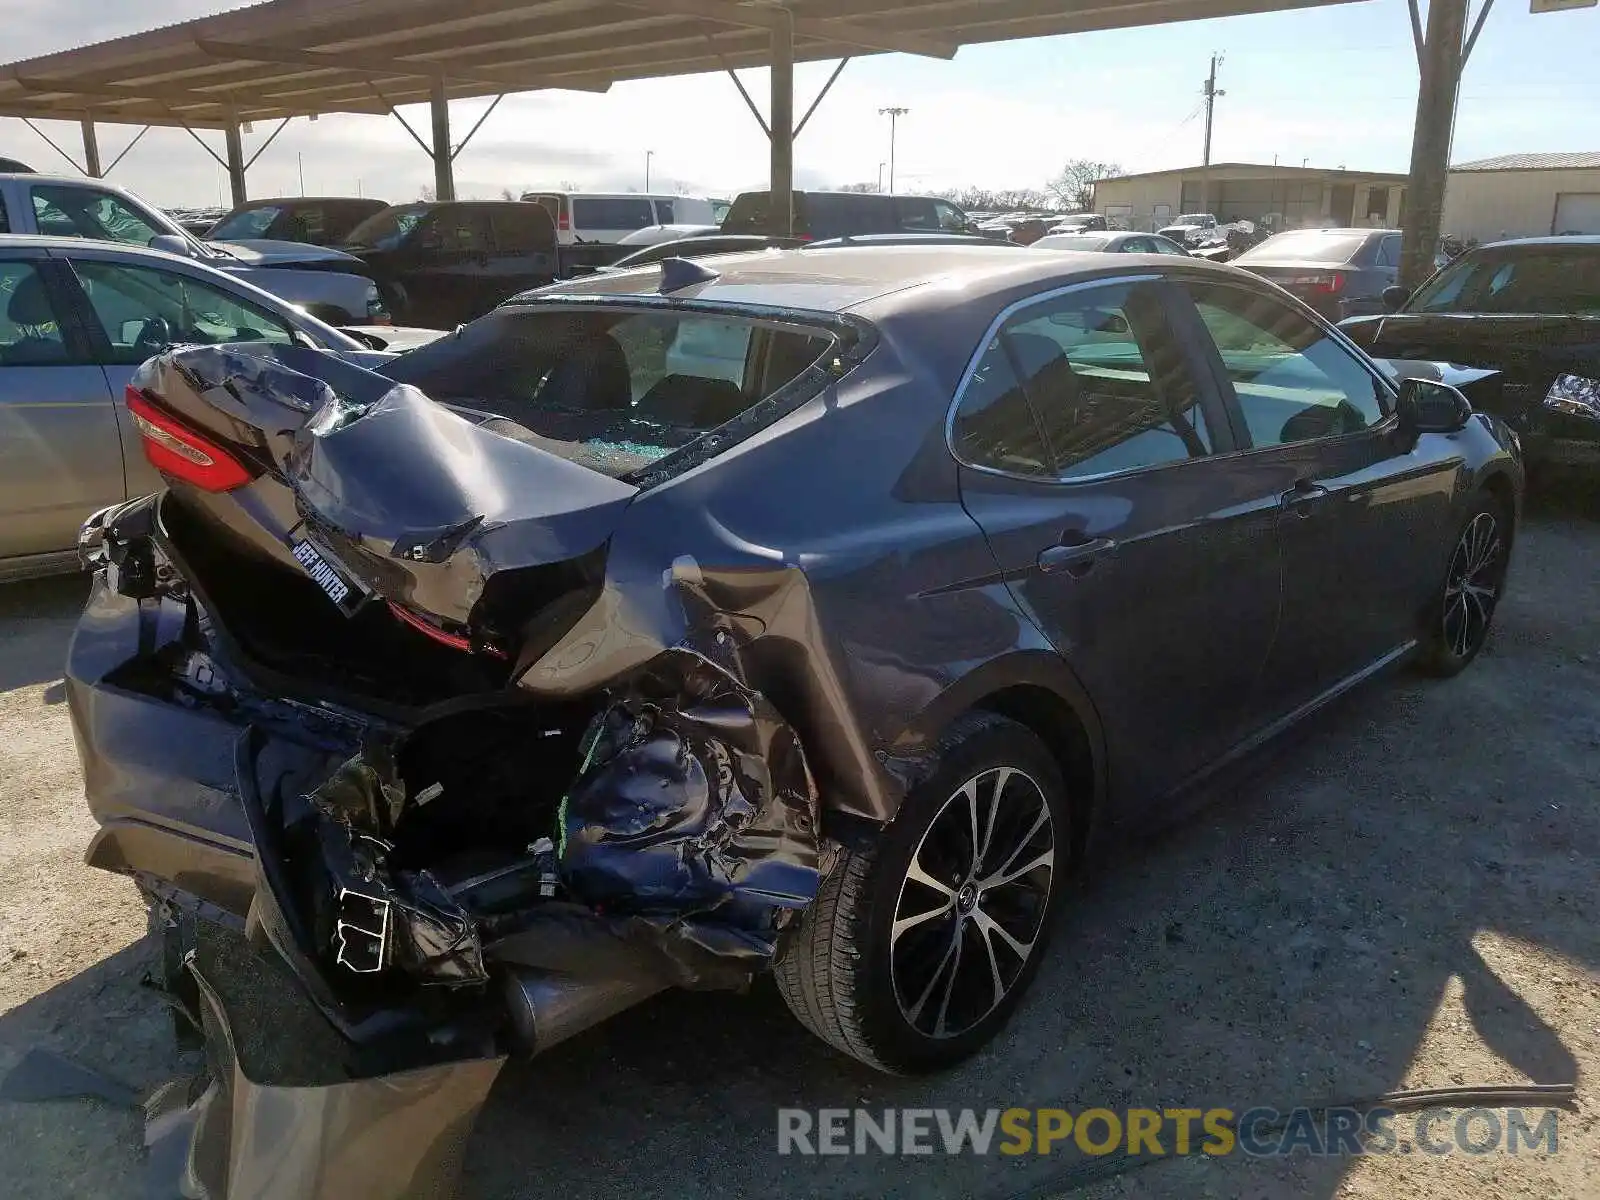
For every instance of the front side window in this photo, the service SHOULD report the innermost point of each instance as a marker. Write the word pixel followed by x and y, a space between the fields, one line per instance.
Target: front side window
pixel 1082 385
pixel 951 219
pixel 1293 380
pixel 86 213
pixel 456 229
pixel 30 334
pixel 613 389
pixel 142 311
pixel 387 229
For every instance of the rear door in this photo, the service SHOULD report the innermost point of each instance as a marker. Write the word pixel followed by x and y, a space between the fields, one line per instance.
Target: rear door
pixel 1096 457
pixel 1362 517
pixel 524 249
pixel 60 454
pixel 133 311
pixel 443 264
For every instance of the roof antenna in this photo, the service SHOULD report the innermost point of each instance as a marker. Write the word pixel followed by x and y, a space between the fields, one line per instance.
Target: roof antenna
pixel 679 273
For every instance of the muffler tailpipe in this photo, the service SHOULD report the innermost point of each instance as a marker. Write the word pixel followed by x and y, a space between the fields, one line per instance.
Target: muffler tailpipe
pixel 547 1008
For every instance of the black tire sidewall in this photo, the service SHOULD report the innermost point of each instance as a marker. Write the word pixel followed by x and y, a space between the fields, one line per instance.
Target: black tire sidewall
pixel 998 743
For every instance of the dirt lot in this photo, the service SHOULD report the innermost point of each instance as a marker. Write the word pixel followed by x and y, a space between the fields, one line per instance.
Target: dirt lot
pixel 1406 896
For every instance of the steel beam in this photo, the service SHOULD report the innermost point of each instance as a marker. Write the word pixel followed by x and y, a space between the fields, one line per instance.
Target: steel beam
pixel 236 164
pixel 91 149
pixel 773 19
pixel 1442 58
pixel 375 65
pixel 781 186
pixel 444 176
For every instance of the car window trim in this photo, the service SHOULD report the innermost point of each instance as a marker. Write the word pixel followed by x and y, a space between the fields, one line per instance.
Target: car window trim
pixel 1245 443
pixel 1218 421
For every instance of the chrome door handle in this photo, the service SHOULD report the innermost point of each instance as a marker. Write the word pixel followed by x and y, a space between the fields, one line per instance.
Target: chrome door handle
pixel 1076 557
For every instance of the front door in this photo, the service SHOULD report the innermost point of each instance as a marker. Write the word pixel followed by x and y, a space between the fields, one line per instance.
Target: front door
pixel 524 249
pixel 60 456
pixel 1361 514
pixel 443 267
pixel 1093 448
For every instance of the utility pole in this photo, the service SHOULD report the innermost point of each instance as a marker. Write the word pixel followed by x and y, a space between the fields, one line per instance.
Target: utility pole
pixel 881 166
pixel 648 155
pixel 894 115
pixel 1211 94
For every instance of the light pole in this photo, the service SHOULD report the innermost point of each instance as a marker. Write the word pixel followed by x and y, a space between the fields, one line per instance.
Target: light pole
pixel 648 155
pixel 894 115
pixel 881 166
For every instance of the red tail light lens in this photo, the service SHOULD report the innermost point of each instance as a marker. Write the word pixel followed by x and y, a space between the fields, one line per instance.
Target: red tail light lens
pixel 564 222
pixel 1332 284
pixel 176 450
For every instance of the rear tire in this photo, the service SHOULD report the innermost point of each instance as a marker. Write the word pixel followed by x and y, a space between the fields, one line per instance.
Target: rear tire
pixel 917 950
pixel 1460 617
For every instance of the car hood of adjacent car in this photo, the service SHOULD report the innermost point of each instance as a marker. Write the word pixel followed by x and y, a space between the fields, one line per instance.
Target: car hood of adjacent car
pixel 267 252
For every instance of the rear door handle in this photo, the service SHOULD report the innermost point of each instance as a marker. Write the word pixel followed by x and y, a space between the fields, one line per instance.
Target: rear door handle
pixel 1077 557
pixel 1303 498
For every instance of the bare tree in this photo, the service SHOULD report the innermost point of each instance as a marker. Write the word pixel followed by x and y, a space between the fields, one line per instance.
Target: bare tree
pixel 427 194
pixel 859 187
pixel 1074 187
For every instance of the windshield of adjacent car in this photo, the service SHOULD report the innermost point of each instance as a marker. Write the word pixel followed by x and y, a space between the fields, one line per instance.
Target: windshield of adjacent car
pixel 613 389
pixel 387 229
pixel 1308 245
pixel 250 223
pixel 1547 280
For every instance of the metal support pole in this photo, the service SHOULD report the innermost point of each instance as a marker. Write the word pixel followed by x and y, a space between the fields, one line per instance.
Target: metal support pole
pixel 444 176
pixel 782 182
pixel 236 166
pixel 1430 146
pixel 91 149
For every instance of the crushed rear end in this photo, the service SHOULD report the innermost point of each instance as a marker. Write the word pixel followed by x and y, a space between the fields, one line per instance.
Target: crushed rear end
pixel 300 692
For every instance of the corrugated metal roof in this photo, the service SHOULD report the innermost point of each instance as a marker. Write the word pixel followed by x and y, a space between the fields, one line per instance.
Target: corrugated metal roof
pixel 298 57
pixel 1589 161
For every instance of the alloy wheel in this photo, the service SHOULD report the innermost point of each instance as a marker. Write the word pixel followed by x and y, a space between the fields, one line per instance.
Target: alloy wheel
pixel 1472 585
pixel 973 903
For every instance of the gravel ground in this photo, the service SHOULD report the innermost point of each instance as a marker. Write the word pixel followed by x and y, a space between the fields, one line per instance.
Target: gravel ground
pixel 1403 897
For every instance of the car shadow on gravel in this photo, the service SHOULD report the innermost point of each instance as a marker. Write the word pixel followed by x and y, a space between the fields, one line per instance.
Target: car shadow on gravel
pixel 39 616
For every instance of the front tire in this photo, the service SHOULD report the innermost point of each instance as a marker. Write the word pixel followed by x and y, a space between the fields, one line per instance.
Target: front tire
pixel 1459 619
pixel 917 950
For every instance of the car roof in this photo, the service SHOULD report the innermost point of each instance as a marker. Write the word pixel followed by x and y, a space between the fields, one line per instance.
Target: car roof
pixel 265 200
pixel 74 180
pixel 85 247
pixel 1570 239
pixel 877 280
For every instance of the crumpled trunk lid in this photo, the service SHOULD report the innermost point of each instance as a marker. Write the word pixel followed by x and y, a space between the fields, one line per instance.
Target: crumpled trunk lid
pixel 377 492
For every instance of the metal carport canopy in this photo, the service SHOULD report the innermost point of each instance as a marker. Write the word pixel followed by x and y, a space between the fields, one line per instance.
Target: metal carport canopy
pixel 290 58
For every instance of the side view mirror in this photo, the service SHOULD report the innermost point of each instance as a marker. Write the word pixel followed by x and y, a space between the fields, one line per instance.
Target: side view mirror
pixel 1425 406
pixel 171 243
pixel 1395 297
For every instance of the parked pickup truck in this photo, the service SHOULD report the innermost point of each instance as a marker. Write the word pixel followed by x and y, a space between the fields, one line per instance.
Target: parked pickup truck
pixel 329 284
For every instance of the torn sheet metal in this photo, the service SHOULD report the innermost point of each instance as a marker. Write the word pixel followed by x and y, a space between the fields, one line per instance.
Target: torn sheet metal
pixel 396 1136
pixel 695 802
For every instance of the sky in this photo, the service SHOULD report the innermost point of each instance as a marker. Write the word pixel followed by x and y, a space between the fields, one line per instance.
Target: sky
pixel 1336 86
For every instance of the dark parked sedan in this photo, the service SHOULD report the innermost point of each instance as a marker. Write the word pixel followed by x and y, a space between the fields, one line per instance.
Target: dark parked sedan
pixel 1339 272
pixel 1529 309
pixel 569 671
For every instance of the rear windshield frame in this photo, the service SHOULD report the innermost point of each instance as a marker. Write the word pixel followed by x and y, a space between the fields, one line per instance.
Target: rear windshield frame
pixel 854 338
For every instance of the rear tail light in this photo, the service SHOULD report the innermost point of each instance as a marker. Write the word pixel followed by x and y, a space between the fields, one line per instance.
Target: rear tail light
pixel 564 222
pixel 1322 283
pixel 176 450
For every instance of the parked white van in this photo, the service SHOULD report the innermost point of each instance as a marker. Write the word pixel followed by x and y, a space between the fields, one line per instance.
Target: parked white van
pixel 609 217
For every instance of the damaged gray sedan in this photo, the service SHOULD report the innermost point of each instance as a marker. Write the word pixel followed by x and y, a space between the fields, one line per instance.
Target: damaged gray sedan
pixel 810 613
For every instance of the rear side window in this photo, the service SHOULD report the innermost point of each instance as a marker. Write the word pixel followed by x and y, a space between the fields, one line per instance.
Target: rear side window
pixel 1083 385
pixel 1389 251
pixel 831 215
pixel 30 335
pixel 615 390
pixel 522 229
pixel 456 229
pixel 666 214
pixel 607 212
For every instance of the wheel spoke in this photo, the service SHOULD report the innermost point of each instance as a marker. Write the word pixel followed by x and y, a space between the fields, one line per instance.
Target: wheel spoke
pixel 950 987
pixel 1022 845
pixel 922 918
pixel 1001 778
pixel 1008 874
pixel 990 927
pixel 916 874
pixel 914 1013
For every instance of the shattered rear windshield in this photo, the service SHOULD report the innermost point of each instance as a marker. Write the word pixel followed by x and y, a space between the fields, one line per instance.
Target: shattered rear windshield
pixel 613 389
